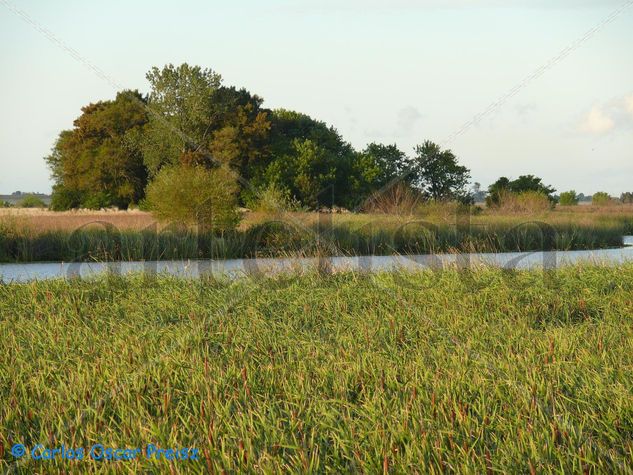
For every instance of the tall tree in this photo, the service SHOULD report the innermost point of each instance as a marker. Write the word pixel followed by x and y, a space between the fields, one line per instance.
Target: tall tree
pixel 310 161
pixel 181 113
pixel 438 174
pixel 99 162
pixel 391 162
pixel 196 120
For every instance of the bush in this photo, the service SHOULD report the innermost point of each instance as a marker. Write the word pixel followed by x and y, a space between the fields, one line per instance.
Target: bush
pixel 568 198
pixel 627 197
pixel 399 199
pixel 601 199
pixel 273 199
pixel 64 199
pixel 526 202
pixel 195 196
pixel 97 201
pixel 31 201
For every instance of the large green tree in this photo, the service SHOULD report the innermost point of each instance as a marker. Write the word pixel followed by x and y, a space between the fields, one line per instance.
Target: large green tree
pixel 194 118
pixel 99 162
pixel 311 162
pixel 391 163
pixel 438 174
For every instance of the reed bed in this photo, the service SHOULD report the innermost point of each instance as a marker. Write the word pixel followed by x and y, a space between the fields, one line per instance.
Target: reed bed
pixel 483 372
pixel 310 234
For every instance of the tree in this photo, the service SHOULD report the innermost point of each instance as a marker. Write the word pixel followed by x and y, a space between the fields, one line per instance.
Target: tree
pixel 196 120
pixel 390 161
pixel 626 197
pixel 601 198
pixel 99 162
pixel 478 194
pixel 523 184
pixel 31 201
pixel 195 195
pixel 241 139
pixel 310 162
pixel 438 174
pixel 181 110
pixel 568 198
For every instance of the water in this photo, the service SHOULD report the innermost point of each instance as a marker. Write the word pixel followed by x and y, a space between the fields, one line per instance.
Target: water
pixel 234 268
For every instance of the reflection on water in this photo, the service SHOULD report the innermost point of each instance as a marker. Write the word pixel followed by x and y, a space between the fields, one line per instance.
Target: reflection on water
pixel 234 268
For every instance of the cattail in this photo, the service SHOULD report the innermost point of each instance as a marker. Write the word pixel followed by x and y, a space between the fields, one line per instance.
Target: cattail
pixel 165 402
pixel 207 459
pixel 245 381
pixel 210 433
pixel 532 469
pixel 243 451
pixel 488 463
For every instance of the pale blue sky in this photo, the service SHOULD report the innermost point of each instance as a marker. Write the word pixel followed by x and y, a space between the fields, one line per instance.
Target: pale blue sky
pixel 379 70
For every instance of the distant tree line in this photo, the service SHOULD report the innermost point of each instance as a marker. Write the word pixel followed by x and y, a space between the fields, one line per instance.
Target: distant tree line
pixel 190 119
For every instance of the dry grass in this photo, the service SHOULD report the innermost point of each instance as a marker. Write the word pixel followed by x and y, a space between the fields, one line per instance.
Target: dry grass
pixel 42 220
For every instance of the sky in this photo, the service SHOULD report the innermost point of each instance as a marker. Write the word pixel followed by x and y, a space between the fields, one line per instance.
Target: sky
pixel 511 86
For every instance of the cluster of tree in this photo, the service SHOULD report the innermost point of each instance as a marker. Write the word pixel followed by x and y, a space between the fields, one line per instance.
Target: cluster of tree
pixel 524 184
pixel 190 119
pixel 600 198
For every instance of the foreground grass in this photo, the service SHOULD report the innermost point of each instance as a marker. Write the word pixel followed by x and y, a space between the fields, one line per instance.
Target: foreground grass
pixel 434 372
pixel 105 237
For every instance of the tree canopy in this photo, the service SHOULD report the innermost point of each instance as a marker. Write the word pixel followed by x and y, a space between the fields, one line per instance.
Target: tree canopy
pixel 523 184
pixel 191 120
pixel 99 162
pixel 438 174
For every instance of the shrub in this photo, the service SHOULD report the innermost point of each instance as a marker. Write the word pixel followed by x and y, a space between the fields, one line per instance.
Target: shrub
pixel 273 199
pixel 399 199
pixel 568 198
pixel 195 195
pixel 526 202
pixel 97 200
pixel 627 197
pixel 601 198
pixel 31 201
pixel 64 199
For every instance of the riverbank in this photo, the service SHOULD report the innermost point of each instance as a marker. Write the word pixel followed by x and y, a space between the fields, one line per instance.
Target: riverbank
pixel 131 236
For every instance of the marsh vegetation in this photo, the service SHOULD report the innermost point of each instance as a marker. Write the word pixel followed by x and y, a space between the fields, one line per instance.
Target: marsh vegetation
pixel 482 372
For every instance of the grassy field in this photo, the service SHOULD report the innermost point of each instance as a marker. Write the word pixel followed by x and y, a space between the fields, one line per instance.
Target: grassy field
pixel 471 373
pixel 78 236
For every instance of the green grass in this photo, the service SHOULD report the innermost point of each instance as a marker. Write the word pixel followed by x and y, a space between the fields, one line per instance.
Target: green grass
pixel 434 372
pixel 357 235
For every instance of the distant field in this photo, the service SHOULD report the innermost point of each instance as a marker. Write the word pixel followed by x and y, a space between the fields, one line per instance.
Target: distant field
pixel 40 235
pixel 41 220
pixel 491 372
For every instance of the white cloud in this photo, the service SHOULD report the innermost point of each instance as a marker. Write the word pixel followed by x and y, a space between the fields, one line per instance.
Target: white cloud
pixel 597 122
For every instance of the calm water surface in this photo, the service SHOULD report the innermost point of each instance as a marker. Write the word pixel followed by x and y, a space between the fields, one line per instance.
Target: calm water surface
pixel 234 268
